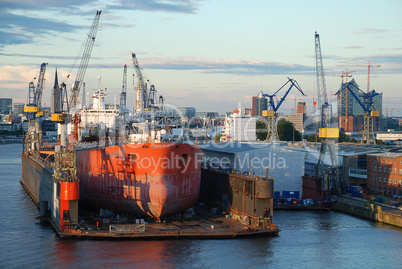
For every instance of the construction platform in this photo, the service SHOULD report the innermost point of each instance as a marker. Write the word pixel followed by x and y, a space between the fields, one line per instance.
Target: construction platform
pixel 204 225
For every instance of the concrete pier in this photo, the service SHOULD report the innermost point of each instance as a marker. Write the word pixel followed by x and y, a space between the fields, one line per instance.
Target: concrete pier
pixel 362 208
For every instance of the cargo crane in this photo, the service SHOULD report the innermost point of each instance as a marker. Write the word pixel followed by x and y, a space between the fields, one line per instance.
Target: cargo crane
pixel 141 102
pixel 86 55
pixel 327 174
pixel 145 100
pixel 39 87
pixel 63 115
pixel 123 90
pixel 33 139
pixel 271 110
pixel 33 108
pixel 369 112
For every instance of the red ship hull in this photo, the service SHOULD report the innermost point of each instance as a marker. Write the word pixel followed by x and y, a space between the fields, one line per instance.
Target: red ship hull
pixel 154 179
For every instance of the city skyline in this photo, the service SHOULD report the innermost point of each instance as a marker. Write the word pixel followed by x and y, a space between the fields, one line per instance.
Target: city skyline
pixel 205 54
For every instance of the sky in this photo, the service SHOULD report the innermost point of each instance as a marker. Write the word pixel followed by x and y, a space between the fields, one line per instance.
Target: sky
pixel 210 55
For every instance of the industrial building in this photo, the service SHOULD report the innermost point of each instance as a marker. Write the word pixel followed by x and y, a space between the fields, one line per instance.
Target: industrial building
pixel 288 162
pixel 385 172
pixel 298 118
pixel 394 137
pixel 285 165
pixel 188 112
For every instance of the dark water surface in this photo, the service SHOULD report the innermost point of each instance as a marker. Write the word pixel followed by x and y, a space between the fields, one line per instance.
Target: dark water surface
pixel 306 240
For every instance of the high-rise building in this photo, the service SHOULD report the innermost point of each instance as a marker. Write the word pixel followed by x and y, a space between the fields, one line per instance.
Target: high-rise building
pixel 301 108
pixel 6 105
pixel 260 103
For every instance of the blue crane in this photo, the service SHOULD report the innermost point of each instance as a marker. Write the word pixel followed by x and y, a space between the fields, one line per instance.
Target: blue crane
pixel 367 104
pixel 369 110
pixel 271 110
pixel 271 104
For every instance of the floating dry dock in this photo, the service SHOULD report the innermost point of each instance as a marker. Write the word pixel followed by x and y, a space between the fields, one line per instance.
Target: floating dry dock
pixel 205 225
pixel 238 206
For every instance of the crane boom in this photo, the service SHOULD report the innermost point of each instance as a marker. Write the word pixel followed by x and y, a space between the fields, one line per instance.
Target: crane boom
pixel 39 86
pixel 323 105
pixel 271 114
pixel 86 55
pixel 271 103
pixel 142 96
pixel 321 85
pixel 124 89
pixel 367 104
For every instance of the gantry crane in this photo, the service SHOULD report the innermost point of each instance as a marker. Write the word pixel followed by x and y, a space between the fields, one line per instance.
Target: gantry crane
pixel 369 112
pixel 271 110
pixel 328 174
pixel 123 93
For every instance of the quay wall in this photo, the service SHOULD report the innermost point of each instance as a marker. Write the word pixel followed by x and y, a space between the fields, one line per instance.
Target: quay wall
pixel 373 212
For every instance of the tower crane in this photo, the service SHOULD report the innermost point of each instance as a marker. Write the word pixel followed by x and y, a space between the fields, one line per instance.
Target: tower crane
pixel 86 55
pixel 123 89
pixel 328 174
pixel 271 110
pixel 368 72
pixel 368 108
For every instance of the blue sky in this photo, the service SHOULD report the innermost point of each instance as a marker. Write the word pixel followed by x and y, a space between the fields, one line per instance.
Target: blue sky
pixel 206 54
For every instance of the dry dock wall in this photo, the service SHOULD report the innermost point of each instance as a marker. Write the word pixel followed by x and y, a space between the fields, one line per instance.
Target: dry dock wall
pixel 373 212
pixel 37 180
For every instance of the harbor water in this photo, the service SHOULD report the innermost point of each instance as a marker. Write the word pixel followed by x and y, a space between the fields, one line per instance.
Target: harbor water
pixel 307 240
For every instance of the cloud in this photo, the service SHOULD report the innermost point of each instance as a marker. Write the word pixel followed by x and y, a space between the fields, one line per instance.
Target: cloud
pixel 351 47
pixel 19 25
pixel 177 6
pixel 20 29
pixel 228 66
pixel 37 56
pixel 391 63
pixel 370 31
